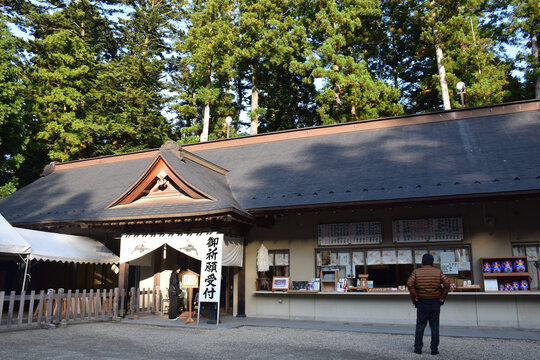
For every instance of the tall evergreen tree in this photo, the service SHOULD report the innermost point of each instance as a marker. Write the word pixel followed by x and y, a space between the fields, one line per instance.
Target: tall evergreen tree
pixel 69 40
pixel 341 32
pixel 132 84
pixel 403 60
pixel 206 62
pixel 265 28
pixel 13 137
pixel 525 15
pixel 442 43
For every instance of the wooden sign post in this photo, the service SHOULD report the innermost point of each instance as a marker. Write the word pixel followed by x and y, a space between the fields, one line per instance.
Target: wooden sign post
pixel 190 280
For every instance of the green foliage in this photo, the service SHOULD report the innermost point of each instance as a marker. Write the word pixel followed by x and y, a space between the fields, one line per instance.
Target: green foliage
pixel 524 25
pixel 97 76
pixel 341 33
pixel 13 136
pixel 129 89
pixel 465 31
pixel 205 66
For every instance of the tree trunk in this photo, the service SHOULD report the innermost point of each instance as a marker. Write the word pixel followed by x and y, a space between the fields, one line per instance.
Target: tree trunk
pixel 442 79
pixel 440 66
pixel 206 122
pixel 337 89
pixel 254 103
pixel 534 48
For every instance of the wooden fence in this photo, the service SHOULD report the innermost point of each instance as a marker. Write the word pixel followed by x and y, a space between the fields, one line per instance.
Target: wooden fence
pixel 48 309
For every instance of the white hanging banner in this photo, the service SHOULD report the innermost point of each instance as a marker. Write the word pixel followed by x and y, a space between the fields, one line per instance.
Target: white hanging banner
pixel 211 269
pixel 193 244
pixel 135 246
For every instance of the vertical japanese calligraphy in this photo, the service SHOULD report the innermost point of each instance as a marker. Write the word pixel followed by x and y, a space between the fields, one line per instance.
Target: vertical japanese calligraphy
pixel 211 269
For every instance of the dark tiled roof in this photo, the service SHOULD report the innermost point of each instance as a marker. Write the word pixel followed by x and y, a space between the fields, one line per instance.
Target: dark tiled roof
pixel 461 157
pixel 84 192
pixel 467 157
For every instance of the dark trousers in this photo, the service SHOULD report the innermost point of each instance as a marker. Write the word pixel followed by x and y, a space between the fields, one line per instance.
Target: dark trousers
pixel 173 306
pixel 427 310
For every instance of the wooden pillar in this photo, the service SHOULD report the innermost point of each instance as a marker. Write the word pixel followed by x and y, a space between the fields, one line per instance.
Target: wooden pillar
pixel 228 280
pixel 242 285
pixel 123 276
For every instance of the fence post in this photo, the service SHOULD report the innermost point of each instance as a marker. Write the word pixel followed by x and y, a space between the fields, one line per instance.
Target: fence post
pixel 141 295
pixel 115 303
pixel 156 299
pixel 40 307
pixel 22 299
pixel 97 309
pixel 31 307
pixel 83 304
pixel 137 301
pixel 104 305
pixel 77 305
pixel 49 307
pixel 10 308
pixel 59 305
pixel 68 306
pixel 132 300
pixel 2 294
pixel 122 302
pixel 92 302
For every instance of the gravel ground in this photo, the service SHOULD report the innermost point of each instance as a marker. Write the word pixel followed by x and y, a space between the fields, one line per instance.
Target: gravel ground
pixel 134 341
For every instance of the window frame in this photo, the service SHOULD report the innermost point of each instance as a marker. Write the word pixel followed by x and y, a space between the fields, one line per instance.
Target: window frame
pixel 365 267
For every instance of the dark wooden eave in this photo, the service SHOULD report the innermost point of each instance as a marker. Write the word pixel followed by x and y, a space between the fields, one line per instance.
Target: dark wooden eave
pixel 533 195
pixel 231 217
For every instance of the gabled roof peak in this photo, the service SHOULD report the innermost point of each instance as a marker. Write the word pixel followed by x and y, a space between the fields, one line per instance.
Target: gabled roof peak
pixel 160 180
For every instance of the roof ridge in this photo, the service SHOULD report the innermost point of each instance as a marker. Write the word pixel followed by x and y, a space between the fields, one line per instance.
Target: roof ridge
pixel 105 159
pixel 370 124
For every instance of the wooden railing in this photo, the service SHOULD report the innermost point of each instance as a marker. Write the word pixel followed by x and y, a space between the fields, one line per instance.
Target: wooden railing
pixel 144 301
pixel 52 308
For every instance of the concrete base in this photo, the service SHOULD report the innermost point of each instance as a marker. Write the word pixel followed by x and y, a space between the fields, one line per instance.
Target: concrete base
pixel 507 310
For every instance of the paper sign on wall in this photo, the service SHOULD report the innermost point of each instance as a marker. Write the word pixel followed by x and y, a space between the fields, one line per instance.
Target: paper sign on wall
pixel 449 267
pixel 490 285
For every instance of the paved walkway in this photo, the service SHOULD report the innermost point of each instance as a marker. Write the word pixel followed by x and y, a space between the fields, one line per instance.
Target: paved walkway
pixel 154 337
pixel 231 322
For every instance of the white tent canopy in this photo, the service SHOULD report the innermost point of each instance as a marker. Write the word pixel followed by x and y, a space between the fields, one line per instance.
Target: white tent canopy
pixel 135 246
pixel 11 242
pixel 66 248
pixel 42 245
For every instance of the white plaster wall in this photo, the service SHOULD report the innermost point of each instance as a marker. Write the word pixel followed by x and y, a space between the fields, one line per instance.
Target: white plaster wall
pixel 508 222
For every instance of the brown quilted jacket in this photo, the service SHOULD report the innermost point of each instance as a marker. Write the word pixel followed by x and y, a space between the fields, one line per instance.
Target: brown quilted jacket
pixel 428 282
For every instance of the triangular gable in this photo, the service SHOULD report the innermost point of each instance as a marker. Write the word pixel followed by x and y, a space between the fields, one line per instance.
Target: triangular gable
pixel 160 181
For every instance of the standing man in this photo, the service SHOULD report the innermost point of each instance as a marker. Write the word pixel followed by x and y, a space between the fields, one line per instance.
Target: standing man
pixel 428 287
pixel 174 293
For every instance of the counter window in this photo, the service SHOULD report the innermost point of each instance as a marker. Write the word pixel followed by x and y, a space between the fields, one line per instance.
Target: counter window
pixel 532 252
pixel 391 267
pixel 279 262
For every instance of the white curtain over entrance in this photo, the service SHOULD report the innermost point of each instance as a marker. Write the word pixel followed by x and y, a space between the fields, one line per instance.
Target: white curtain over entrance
pixel 135 246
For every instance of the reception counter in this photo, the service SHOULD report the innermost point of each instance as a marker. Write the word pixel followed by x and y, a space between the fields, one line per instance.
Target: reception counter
pixel 518 309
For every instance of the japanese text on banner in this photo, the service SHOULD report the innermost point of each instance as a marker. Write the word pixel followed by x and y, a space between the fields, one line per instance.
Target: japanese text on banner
pixel 211 269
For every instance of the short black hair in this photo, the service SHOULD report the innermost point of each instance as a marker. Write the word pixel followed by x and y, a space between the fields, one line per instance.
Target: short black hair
pixel 427 259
